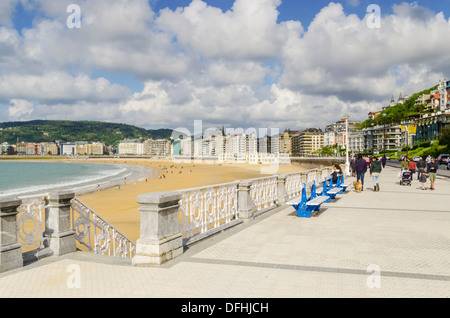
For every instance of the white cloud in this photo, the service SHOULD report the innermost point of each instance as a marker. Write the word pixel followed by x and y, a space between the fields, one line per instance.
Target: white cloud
pixel 248 31
pixel 339 55
pixel 6 10
pixel 20 109
pixel 57 87
pixel 199 62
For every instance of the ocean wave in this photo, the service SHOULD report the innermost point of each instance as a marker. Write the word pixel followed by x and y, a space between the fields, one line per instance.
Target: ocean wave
pixel 83 183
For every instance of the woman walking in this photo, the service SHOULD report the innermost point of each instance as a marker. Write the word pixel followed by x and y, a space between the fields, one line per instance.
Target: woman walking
pixel 412 167
pixel 375 170
pixel 405 163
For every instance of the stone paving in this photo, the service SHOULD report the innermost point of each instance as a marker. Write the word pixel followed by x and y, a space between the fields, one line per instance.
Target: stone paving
pixel 392 243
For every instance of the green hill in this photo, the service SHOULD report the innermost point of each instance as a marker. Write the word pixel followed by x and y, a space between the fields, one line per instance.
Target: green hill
pixel 70 131
pixel 400 112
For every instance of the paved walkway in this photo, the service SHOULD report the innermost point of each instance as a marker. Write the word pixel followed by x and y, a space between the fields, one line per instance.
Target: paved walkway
pixel 392 243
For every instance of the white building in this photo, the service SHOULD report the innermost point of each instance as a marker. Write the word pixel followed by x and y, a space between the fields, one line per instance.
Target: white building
pixel 68 149
pixel 329 138
pixel 239 146
pixel 159 147
pixel 356 142
pixel 131 147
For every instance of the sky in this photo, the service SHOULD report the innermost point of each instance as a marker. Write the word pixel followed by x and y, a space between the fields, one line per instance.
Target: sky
pixel 261 64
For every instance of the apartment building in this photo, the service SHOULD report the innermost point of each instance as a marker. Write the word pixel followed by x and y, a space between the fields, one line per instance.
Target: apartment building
pixel 306 142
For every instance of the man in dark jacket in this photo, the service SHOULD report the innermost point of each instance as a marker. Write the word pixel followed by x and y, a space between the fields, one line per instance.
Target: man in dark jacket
pixel 421 166
pixel 360 169
pixel 383 161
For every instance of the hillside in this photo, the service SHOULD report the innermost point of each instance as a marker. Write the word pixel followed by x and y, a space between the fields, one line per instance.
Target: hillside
pixel 400 112
pixel 69 131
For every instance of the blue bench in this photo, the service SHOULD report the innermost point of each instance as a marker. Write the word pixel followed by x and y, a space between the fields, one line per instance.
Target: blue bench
pixel 331 191
pixel 304 205
pixel 342 184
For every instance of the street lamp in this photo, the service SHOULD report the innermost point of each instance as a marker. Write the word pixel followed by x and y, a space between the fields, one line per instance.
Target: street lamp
pixel 347 163
pixel 384 134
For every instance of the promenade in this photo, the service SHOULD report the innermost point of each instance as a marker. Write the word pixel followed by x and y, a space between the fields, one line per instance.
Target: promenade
pixel 392 243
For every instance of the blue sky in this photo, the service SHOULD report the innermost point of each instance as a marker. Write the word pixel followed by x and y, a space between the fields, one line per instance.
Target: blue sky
pixel 239 63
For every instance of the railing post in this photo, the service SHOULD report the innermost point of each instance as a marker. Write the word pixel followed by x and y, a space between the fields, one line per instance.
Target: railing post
pixel 282 193
pixel 160 238
pixel 245 201
pixel 59 236
pixel 10 249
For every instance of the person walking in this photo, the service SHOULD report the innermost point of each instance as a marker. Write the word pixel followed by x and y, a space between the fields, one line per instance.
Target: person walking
pixel 405 164
pixel 367 159
pixel 412 167
pixel 383 161
pixel 432 168
pixel 360 169
pixel 421 166
pixel 375 170
pixel 423 179
pixel 353 167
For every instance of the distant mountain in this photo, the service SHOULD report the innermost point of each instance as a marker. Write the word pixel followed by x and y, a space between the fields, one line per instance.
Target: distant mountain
pixel 69 131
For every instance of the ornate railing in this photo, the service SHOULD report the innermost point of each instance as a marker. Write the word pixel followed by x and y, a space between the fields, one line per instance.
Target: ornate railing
pixel 98 235
pixel 30 222
pixel 206 208
pixel 264 192
pixel 294 184
pixel 294 181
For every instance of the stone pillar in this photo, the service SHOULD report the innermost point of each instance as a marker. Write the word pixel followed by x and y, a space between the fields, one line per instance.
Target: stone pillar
pixel 245 201
pixel 160 239
pixel 60 237
pixel 282 194
pixel 10 249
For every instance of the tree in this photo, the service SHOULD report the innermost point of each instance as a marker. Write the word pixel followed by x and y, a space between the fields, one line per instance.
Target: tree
pixel 444 137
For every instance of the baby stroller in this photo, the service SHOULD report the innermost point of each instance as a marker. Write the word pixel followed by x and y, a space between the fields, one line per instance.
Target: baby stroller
pixel 406 178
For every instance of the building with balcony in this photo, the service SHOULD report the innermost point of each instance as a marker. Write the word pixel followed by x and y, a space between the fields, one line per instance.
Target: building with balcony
pixel 306 142
pixel 384 138
pixel 429 126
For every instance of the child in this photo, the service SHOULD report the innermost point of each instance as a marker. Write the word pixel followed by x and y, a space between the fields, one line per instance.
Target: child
pixel 423 179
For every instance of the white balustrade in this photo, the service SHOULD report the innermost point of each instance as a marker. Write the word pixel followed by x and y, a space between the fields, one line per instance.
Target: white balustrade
pixel 206 208
pixel 98 235
pixel 264 192
pixel 31 220
pixel 294 184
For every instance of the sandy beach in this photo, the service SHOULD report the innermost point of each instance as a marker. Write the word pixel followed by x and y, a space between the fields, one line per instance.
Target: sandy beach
pixel 119 207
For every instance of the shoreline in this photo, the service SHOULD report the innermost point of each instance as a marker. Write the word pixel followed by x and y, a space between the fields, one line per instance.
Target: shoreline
pixel 130 173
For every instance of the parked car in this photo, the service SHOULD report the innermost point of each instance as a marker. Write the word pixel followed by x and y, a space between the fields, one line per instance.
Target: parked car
pixel 448 165
pixel 416 158
pixel 401 157
pixel 443 159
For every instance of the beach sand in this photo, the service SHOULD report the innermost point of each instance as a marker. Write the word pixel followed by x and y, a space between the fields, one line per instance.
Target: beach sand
pixel 119 207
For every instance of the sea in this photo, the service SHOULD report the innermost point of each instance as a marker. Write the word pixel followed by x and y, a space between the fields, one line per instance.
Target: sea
pixel 28 178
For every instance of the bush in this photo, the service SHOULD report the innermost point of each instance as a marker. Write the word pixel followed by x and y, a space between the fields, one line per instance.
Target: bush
pixel 425 144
